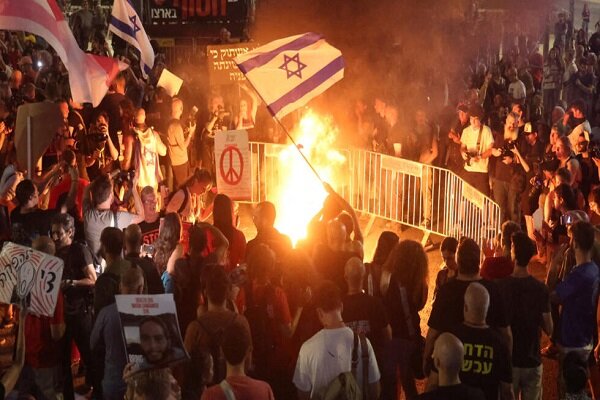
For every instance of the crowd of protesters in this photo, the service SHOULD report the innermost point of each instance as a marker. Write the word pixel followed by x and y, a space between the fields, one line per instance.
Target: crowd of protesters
pixel 125 195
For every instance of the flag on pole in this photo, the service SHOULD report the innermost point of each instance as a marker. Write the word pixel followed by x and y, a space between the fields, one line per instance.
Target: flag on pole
pixel 126 24
pixel 89 75
pixel 289 72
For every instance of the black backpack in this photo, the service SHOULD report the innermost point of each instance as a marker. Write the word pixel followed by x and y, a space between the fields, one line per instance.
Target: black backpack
pixel 262 327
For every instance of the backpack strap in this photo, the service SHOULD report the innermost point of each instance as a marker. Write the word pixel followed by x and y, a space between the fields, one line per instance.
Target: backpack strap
pixel 114 219
pixel 227 390
pixel 186 196
pixel 405 307
pixel 354 364
pixel 364 355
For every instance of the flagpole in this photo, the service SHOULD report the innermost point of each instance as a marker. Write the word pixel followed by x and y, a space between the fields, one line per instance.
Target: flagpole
pixel 289 136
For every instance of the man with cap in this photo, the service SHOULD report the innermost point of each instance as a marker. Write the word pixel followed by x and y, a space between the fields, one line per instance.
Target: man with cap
pixel 477 142
pixel 576 118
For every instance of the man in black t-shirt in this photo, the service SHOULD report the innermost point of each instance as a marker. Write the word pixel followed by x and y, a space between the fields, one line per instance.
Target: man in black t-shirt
pixel 447 309
pixel 487 363
pixel 79 277
pixel 527 301
pixel 133 243
pixel 364 313
pixel 448 356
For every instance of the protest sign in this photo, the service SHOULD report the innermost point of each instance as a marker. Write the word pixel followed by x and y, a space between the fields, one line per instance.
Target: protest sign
pixel 232 156
pixel 150 330
pixel 27 274
pixel 221 67
pixel 170 82
pixel 45 121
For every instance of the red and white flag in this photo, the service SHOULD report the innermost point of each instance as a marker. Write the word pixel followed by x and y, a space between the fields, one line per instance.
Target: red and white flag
pixel 89 75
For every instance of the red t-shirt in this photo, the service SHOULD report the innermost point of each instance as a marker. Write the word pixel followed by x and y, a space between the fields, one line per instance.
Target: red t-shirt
pixel 40 350
pixel 243 387
pixel 64 187
pixel 496 268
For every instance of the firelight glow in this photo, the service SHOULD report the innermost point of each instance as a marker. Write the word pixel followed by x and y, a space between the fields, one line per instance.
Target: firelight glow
pixel 300 195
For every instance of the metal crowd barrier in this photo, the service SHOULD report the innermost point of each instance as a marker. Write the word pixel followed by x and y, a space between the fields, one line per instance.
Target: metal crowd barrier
pixel 430 198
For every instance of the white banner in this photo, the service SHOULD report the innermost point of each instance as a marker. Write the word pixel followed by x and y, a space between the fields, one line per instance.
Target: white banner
pixel 32 275
pixel 232 158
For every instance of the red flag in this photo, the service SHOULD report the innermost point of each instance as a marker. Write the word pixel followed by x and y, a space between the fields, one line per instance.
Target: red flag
pixel 89 75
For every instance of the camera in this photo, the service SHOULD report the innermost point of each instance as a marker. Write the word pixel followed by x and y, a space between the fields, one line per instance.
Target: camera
pixel 594 149
pixel 506 150
pixel 470 156
pixel 566 219
pixel 120 177
pixel 147 250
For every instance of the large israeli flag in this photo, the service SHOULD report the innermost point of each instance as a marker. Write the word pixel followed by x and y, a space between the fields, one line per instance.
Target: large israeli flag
pixel 287 73
pixel 126 24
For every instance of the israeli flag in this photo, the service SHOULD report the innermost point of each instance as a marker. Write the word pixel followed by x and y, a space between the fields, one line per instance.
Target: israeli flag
pixel 288 73
pixel 126 24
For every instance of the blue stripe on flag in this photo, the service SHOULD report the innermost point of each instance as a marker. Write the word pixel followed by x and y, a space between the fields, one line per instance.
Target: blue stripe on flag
pixel 147 69
pixel 307 86
pixel 122 26
pixel 261 59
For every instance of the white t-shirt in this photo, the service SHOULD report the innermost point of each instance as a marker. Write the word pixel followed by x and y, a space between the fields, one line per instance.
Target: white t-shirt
pixel 326 355
pixel 517 90
pixel 469 139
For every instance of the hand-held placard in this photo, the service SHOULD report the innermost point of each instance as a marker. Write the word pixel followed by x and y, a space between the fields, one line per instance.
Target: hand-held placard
pixel 29 277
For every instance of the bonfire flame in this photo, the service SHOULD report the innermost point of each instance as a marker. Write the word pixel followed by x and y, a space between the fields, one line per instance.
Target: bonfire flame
pixel 300 194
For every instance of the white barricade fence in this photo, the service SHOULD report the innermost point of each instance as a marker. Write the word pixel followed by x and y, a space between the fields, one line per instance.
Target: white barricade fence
pixel 422 196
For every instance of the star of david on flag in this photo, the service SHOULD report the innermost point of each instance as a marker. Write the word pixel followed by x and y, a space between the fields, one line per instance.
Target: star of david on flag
pixel 288 73
pixel 126 24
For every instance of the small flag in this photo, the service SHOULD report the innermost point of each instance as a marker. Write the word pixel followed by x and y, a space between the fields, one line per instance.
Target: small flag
pixel 126 24
pixel 89 75
pixel 289 72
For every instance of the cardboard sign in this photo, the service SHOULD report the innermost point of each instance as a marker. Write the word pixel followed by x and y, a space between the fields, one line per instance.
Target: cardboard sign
pixel 46 118
pixel 221 67
pixel 150 330
pixel 232 158
pixel 31 275
pixel 170 82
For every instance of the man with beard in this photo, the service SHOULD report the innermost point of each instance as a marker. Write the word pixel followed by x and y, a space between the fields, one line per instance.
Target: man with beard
pixel 507 182
pixel 453 160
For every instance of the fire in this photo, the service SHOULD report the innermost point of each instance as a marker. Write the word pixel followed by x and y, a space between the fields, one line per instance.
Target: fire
pixel 300 194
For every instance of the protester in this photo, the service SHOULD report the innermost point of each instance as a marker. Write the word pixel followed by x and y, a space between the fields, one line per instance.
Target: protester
pixel 329 353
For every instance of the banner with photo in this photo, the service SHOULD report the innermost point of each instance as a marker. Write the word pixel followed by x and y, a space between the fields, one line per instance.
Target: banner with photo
pixel 150 330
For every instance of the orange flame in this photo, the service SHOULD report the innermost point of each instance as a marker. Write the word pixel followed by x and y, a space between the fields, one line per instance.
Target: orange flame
pixel 300 195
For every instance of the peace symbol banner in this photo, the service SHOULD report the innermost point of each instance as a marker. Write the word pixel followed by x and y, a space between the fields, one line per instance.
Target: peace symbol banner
pixel 232 157
pixel 31 275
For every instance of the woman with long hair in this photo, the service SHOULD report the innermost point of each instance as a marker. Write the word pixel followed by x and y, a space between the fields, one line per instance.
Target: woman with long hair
pixel 223 217
pixel 403 297
pixel 385 244
pixel 167 249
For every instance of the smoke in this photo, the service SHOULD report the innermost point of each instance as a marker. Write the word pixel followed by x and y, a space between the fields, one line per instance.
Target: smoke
pixel 402 50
